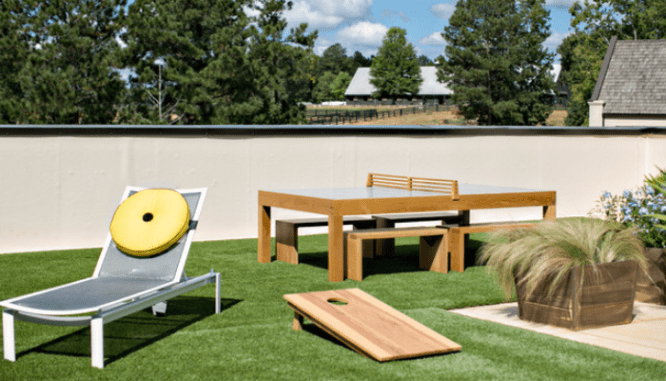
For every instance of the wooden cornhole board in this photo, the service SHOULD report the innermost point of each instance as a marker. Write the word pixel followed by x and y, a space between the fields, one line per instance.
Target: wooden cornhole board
pixel 367 325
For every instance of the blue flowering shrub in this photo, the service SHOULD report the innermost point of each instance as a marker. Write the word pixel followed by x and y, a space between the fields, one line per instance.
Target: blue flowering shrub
pixel 644 209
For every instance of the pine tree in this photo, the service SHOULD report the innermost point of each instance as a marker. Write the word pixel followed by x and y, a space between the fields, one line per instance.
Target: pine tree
pixel 14 49
pixel 220 65
pixel 68 74
pixel 395 70
pixel 496 64
pixel 276 60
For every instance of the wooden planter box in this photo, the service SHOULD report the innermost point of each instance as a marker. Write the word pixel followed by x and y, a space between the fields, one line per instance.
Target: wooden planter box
pixel 606 298
pixel 652 289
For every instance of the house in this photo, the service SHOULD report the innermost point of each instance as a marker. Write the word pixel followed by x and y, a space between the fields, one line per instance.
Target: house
pixel 631 87
pixel 359 91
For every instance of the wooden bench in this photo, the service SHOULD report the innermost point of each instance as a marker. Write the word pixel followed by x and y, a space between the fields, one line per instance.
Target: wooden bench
pixel 457 238
pixel 433 247
pixel 286 233
pixel 386 247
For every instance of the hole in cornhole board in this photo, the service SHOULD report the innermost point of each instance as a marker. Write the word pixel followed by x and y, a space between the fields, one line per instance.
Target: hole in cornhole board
pixel 337 302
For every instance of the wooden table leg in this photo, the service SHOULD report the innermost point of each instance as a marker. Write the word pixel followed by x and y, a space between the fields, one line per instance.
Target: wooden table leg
pixel 264 235
pixel 549 212
pixel 336 257
pixel 297 324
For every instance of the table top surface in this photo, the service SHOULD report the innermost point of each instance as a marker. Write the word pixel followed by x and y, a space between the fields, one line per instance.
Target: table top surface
pixel 382 192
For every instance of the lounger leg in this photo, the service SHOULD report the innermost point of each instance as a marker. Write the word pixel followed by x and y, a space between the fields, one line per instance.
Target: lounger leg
pixel 8 335
pixel 434 254
pixel 97 342
pixel 218 292
pixel 159 309
pixel 286 242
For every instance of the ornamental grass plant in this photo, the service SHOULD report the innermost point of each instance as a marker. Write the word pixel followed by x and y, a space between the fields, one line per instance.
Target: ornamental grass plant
pixel 551 249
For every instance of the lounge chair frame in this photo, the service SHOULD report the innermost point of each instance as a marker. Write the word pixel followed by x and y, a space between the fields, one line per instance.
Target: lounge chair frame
pixel 113 310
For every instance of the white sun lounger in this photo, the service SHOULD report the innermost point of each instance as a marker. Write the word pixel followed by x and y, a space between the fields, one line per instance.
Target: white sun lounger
pixel 120 286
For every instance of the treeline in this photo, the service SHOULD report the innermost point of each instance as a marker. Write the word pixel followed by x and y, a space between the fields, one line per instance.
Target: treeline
pixel 235 62
pixel 195 62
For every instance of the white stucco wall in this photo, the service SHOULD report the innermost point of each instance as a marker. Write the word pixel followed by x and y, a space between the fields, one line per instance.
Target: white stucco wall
pixel 628 122
pixel 61 191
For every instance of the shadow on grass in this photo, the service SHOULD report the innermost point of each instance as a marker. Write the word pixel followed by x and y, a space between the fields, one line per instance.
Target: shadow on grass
pixel 406 259
pixel 131 333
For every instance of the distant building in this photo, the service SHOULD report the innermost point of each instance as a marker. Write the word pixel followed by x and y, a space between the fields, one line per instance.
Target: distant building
pixel 360 90
pixel 631 87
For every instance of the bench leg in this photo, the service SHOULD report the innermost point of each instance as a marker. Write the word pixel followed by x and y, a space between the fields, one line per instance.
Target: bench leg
pixel 457 247
pixel 385 247
pixel 286 242
pixel 434 253
pixel 368 244
pixel 355 259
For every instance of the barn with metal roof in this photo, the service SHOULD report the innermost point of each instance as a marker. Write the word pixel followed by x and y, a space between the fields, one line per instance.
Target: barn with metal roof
pixel 431 91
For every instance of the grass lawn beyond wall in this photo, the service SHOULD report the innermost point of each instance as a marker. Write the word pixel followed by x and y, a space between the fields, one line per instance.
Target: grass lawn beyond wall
pixel 252 338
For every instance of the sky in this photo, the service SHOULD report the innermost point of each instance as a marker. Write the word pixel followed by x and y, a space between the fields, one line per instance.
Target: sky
pixel 360 25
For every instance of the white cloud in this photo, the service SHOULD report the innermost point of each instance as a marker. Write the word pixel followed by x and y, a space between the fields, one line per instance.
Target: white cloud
pixel 387 13
pixel 344 8
pixel 325 14
pixel 302 12
pixel 554 40
pixel 434 39
pixel 566 4
pixel 443 11
pixel 363 33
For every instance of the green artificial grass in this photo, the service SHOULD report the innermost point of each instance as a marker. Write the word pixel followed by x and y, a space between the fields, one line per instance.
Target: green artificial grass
pixel 252 338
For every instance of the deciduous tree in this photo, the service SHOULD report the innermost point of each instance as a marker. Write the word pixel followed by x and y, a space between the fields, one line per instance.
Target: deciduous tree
pixel 340 84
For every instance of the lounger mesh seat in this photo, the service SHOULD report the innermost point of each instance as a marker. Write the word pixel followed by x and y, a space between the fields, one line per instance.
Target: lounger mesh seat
pixel 120 285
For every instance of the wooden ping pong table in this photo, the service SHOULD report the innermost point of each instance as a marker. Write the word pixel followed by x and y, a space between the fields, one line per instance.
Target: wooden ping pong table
pixel 338 202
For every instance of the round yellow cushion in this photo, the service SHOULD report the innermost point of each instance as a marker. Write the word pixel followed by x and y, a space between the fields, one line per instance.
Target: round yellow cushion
pixel 150 221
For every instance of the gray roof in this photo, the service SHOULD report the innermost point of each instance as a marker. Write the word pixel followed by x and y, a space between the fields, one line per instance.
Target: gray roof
pixel 633 78
pixel 360 84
